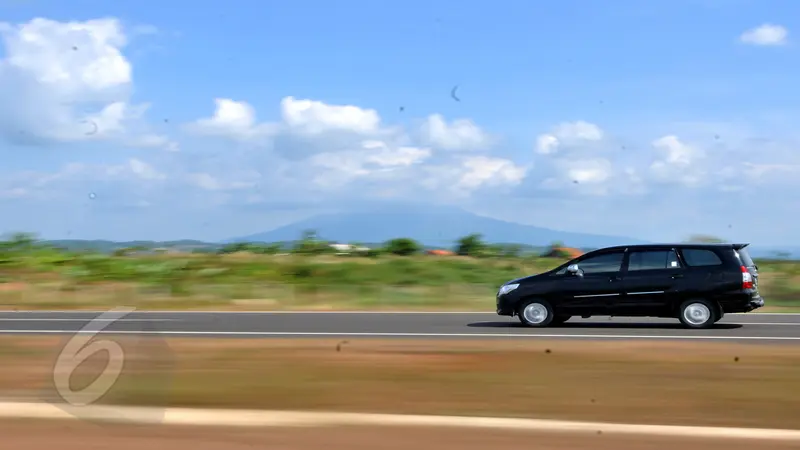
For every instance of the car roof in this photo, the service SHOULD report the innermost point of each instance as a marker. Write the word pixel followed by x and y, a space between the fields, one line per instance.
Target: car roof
pixel 674 245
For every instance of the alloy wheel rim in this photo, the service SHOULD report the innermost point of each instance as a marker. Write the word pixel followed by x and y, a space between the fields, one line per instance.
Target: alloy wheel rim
pixel 697 314
pixel 535 313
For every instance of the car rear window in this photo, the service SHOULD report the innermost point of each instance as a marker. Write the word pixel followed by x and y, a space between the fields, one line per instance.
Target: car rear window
pixel 698 257
pixel 745 258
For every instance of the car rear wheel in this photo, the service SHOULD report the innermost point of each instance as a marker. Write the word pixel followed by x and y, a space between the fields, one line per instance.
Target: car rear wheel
pixel 698 314
pixel 536 313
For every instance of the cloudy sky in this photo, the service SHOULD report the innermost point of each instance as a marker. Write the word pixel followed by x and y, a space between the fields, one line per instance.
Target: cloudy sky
pixel 165 120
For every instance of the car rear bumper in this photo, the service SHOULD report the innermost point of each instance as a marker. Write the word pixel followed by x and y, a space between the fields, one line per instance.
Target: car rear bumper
pixel 754 304
pixel 750 304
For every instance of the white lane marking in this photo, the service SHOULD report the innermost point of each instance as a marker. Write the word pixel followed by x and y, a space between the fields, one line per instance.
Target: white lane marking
pixel 76 311
pixel 770 324
pixel 431 335
pixel 266 418
pixel 86 319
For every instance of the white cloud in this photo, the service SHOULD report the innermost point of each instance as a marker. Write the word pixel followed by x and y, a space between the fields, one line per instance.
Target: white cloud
pixel 144 170
pixel 676 152
pixel 232 119
pixel 465 176
pixel 71 57
pixel 592 171
pixel 766 34
pixel 678 162
pixel 586 175
pixel 383 155
pixel 79 180
pixel 315 117
pixel 546 144
pixel 60 79
pixel 374 159
pixel 460 134
pixel 326 149
pixel 568 134
pixel 483 170
pixel 237 120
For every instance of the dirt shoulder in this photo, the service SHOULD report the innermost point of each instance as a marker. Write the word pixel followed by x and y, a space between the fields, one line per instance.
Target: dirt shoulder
pixel 41 435
pixel 712 384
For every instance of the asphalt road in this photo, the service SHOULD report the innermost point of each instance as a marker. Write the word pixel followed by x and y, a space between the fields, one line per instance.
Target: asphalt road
pixel 734 327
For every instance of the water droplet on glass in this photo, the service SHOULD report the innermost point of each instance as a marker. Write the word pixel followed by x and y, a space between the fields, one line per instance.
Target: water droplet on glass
pixel 92 195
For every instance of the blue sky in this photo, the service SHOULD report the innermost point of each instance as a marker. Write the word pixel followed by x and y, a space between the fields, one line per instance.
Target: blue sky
pixel 651 119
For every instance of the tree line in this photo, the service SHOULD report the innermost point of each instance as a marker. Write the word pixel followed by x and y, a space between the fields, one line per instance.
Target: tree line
pixel 311 244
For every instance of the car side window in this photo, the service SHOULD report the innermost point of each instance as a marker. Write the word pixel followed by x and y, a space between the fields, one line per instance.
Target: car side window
pixel 653 260
pixel 698 257
pixel 673 262
pixel 608 262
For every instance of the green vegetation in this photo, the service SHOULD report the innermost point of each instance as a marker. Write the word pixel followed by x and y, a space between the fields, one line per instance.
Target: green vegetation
pixel 309 273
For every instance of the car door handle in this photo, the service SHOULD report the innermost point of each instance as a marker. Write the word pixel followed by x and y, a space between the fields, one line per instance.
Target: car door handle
pixel 677 275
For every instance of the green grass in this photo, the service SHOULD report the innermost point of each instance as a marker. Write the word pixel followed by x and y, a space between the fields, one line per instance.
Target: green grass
pixel 48 278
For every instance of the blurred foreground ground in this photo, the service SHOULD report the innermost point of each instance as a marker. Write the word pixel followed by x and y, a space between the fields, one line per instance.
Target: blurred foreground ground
pixel 28 435
pixel 669 383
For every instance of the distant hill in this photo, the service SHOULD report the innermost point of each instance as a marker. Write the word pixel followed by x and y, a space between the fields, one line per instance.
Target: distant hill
pixel 432 227
pixel 436 227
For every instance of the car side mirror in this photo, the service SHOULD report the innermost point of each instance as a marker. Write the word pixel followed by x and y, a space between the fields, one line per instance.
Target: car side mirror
pixel 574 270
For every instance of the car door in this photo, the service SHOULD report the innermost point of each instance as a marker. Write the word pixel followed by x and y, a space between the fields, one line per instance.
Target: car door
pixel 649 282
pixel 590 293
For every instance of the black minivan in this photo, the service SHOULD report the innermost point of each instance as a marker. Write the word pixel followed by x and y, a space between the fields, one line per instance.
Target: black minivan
pixel 695 283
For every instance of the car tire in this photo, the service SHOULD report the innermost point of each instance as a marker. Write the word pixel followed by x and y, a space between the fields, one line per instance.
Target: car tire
pixel 535 313
pixel 698 314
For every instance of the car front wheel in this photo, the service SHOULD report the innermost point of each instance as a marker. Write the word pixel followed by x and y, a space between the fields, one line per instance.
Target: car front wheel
pixel 698 314
pixel 536 313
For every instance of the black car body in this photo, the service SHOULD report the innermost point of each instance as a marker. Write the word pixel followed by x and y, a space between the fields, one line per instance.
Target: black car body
pixel 696 283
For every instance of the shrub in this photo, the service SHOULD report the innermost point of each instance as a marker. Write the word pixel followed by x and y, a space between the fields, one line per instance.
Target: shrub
pixel 471 245
pixel 402 247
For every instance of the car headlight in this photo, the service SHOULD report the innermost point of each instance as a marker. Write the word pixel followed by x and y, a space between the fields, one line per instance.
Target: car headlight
pixel 506 288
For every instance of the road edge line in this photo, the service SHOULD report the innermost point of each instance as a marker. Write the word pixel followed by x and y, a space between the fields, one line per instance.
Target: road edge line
pixel 268 418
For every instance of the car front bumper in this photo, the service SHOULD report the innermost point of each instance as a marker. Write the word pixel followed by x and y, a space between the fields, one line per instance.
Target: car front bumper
pixel 505 305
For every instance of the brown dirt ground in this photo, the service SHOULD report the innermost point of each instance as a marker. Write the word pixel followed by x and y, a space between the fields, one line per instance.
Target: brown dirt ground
pixel 695 383
pixel 32 435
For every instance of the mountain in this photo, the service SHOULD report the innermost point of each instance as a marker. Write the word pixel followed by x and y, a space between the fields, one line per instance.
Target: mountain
pixel 440 227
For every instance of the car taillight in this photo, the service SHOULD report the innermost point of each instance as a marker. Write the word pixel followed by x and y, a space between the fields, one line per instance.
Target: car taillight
pixel 747 279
